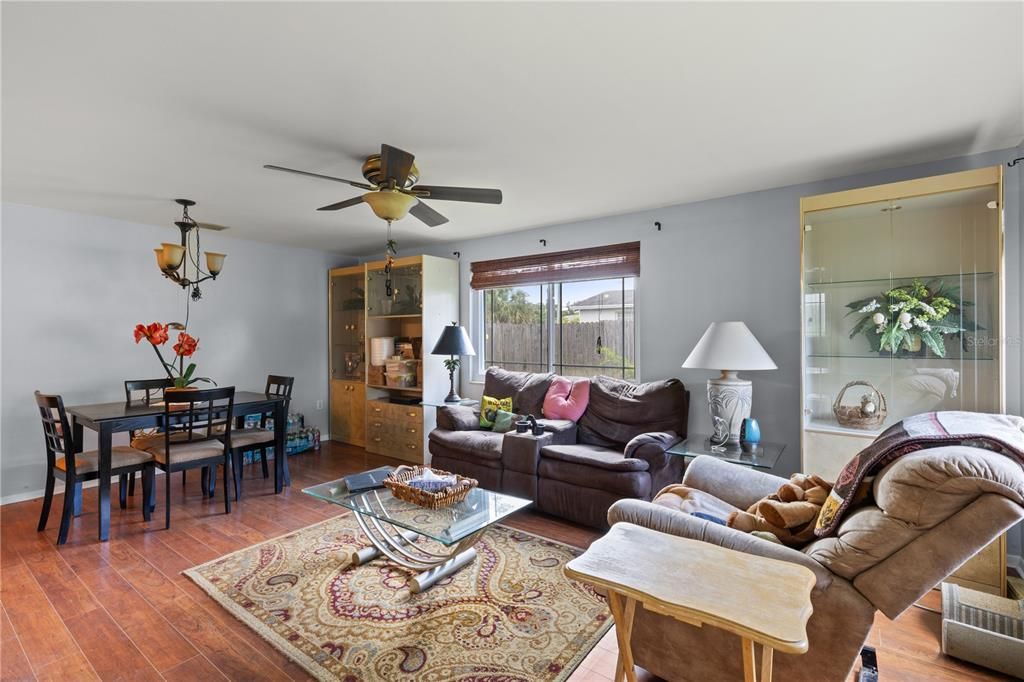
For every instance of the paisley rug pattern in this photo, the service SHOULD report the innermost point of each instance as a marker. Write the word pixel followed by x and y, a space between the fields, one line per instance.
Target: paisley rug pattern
pixel 511 615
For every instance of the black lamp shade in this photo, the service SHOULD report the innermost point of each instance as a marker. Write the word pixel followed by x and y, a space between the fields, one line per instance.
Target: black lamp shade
pixel 454 341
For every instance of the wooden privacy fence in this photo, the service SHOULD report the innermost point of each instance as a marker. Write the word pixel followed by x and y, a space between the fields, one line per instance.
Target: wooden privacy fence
pixel 519 347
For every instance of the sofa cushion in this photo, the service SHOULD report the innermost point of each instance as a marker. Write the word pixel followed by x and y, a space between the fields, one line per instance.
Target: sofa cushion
pixel 504 421
pixel 530 398
pixel 467 445
pixel 619 410
pixel 566 399
pixel 502 383
pixel 526 389
pixel 593 456
pixel 583 476
pixel 457 418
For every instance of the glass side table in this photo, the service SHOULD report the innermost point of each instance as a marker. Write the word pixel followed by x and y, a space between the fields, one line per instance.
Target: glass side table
pixel 764 455
pixel 467 402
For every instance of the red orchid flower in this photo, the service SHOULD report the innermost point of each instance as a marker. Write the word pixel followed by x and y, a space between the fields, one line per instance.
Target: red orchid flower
pixel 186 345
pixel 155 333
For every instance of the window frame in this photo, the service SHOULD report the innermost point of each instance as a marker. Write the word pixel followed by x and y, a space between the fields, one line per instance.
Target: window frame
pixel 480 361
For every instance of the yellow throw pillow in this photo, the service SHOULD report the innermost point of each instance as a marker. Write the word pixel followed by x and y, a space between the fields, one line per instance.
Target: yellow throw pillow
pixel 489 409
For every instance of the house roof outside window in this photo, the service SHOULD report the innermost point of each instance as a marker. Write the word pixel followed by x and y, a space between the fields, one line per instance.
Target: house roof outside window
pixel 605 299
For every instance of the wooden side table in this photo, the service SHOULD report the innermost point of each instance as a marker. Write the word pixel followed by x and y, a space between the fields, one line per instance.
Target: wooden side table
pixel 764 601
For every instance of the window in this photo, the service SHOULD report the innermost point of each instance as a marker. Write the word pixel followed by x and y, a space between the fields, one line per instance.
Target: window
pixel 569 312
pixel 572 328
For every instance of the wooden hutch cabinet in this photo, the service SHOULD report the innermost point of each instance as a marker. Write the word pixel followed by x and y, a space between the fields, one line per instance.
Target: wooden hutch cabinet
pixel 370 407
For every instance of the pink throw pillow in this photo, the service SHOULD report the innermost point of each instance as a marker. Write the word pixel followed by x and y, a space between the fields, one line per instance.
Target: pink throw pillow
pixel 566 399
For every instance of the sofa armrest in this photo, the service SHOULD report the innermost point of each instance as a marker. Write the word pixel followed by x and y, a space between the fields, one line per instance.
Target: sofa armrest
pixel 651 447
pixel 563 431
pixel 738 485
pixel 457 418
pixel 521 451
pixel 683 525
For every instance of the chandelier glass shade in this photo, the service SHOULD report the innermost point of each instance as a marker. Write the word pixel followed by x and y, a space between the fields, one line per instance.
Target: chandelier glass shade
pixel 173 255
pixel 390 204
pixel 215 262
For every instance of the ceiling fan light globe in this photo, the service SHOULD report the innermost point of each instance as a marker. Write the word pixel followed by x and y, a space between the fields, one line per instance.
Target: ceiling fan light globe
pixel 214 262
pixel 160 261
pixel 174 254
pixel 389 204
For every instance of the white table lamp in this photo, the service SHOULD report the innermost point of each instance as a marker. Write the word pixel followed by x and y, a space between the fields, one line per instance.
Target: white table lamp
pixel 729 345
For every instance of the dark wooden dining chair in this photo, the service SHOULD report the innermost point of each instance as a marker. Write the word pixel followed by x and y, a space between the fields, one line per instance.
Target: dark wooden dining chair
pixel 187 442
pixel 63 463
pixel 259 438
pixel 145 391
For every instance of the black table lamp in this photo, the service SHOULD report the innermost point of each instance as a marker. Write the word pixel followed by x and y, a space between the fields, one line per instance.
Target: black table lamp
pixel 454 342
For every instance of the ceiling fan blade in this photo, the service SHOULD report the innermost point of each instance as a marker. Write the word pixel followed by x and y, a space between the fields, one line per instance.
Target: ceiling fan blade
pixel 212 226
pixel 360 185
pixel 472 194
pixel 355 201
pixel 395 164
pixel 427 215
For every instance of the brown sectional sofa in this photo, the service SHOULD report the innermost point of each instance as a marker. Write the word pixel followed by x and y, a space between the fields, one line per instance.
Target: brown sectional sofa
pixel 575 470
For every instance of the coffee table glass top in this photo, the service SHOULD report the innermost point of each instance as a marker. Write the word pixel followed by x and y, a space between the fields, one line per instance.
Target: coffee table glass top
pixel 762 456
pixel 446 525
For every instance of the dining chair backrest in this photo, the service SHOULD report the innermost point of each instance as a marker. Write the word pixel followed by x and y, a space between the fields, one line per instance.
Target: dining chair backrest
pixel 146 390
pixel 278 385
pixel 198 414
pixel 56 431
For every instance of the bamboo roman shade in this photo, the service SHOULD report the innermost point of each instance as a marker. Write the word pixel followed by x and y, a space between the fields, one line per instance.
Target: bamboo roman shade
pixel 615 260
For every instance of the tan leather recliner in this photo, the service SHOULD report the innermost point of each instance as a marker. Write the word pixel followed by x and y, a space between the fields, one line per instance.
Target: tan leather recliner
pixel 931 511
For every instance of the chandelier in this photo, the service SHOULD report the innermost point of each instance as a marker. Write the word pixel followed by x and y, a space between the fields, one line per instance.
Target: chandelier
pixel 180 262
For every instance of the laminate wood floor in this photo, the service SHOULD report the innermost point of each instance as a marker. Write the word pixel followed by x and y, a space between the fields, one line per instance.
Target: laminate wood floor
pixel 122 609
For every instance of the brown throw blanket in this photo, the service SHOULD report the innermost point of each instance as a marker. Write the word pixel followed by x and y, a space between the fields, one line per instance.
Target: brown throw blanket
pixel 997 432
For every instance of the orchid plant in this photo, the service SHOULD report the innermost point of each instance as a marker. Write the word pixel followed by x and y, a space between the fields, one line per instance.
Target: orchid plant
pixel 157 334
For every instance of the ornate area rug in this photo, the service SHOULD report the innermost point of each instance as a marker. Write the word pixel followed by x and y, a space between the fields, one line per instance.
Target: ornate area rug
pixel 510 615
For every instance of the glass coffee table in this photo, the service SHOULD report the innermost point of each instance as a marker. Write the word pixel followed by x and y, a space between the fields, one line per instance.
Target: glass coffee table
pixel 435 542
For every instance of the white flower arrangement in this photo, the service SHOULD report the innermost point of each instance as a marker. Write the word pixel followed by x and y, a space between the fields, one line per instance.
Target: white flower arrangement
pixel 907 316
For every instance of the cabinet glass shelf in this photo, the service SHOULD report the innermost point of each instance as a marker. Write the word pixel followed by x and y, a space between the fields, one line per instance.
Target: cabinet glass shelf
pixel 889 282
pixel 951 357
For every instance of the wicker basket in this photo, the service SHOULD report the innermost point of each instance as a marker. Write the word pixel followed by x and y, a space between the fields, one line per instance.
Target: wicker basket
pixel 396 483
pixel 851 416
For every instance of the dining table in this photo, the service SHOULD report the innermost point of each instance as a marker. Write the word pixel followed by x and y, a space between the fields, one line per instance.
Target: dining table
pixel 106 419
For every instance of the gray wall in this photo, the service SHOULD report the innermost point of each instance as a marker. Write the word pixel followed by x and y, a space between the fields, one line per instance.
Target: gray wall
pixel 738 258
pixel 74 286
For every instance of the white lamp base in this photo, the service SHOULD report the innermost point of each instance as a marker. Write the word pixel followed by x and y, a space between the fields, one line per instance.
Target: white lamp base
pixel 729 400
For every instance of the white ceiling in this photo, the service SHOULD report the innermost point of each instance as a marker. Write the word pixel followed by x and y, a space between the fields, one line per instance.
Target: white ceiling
pixel 574 110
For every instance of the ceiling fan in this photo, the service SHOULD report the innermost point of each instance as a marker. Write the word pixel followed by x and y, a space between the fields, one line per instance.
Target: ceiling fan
pixel 391 178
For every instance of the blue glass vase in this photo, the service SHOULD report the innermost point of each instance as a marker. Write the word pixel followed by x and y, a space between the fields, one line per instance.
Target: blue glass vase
pixel 750 431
